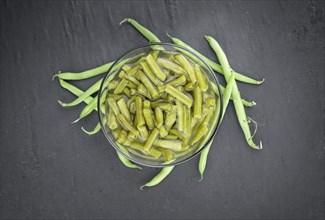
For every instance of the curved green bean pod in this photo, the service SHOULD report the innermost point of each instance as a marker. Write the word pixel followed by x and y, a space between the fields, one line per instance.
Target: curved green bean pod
pixel 74 90
pixel 87 109
pixel 216 67
pixel 85 74
pixel 203 159
pixel 126 162
pixel 91 90
pixel 239 107
pixel 205 152
pixel 94 131
pixel 227 94
pixel 159 177
pixel 144 31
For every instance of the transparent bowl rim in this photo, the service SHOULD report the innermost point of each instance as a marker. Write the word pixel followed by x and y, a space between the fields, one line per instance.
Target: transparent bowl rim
pixel 186 158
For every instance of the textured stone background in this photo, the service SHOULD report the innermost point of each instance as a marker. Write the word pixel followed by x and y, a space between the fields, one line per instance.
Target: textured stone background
pixel 51 170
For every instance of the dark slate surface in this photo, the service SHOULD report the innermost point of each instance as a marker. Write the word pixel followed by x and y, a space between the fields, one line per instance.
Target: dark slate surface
pixel 51 170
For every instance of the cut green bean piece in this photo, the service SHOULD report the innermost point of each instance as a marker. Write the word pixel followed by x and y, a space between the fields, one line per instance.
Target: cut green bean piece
pixel 131 85
pixel 132 108
pixel 126 67
pixel 140 147
pixel 170 117
pixel 162 131
pixel 139 111
pixel 120 87
pixel 121 136
pixel 170 65
pixel 166 154
pixel 159 177
pixel 200 133
pixel 159 117
pixel 112 122
pixel 155 153
pixel 179 81
pixel 155 68
pixel 147 83
pixel 179 95
pixel 116 132
pixel 175 131
pixel 210 102
pixel 133 92
pixel 112 85
pixel 187 121
pixel 189 87
pixel 132 71
pixel 131 136
pixel 126 124
pixel 143 91
pixel 197 114
pixel 171 137
pixel 208 117
pixel 148 118
pixel 180 117
pixel 151 139
pixel 155 54
pixel 115 97
pixel 187 66
pixel 132 99
pixel 146 104
pixel 201 78
pixel 124 109
pixel 163 105
pixel 146 69
pixel 174 145
pixel 143 131
pixel 113 105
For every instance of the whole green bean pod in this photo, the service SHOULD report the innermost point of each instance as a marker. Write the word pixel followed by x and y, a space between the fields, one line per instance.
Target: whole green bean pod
pixel 203 159
pixel 126 162
pixel 94 131
pixel 216 67
pixel 87 109
pixel 205 152
pixel 159 177
pixel 227 94
pixel 85 74
pixel 74 90
pixel 239 107
pixel 144 31
pixel 91 90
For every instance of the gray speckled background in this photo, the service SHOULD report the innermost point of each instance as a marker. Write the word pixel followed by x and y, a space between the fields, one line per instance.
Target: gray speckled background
pixel 51 170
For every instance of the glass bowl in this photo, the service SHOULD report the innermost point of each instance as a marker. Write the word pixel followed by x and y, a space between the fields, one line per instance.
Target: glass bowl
pixel 103 106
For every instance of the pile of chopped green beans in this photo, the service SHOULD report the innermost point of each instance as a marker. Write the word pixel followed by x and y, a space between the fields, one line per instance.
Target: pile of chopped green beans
pixel 148 108
pixel 161 105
